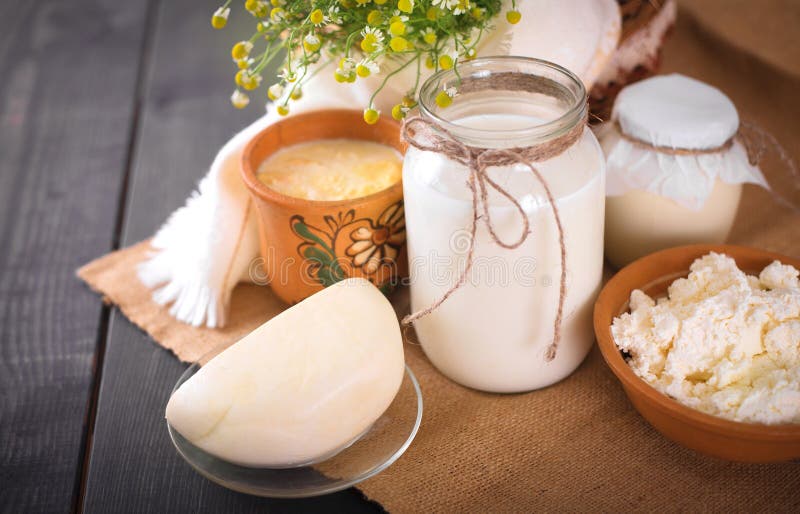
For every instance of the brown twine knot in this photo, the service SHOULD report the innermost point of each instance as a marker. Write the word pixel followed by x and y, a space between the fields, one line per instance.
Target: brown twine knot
pixel 427 136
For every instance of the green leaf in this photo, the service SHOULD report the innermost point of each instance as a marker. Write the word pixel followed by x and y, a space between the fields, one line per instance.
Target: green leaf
pixel 314 253
pixel 303 231
pixel 337 270
pixel 326 276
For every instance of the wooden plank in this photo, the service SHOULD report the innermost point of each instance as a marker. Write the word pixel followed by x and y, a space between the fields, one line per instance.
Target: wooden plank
pixel 186 118
pixel 66 107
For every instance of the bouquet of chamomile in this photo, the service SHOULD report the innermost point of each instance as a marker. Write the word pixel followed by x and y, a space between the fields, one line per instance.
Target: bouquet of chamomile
pixel 362 37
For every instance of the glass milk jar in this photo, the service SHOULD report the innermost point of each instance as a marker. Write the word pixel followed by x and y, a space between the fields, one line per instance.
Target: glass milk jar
pixel 494 331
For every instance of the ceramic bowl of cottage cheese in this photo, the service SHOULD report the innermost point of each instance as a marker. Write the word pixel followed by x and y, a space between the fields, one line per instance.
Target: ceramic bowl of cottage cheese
pixel 705 340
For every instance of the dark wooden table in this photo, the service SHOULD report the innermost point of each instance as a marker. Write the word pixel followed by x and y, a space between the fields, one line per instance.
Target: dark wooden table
pixel 110 112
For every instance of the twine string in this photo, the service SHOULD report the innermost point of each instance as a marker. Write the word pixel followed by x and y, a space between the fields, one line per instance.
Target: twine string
pixel 758 142
pixel 671 150
pixel 427 136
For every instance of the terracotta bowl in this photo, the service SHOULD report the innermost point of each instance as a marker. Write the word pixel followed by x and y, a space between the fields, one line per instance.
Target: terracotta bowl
pixel 746 442
pixel 307 245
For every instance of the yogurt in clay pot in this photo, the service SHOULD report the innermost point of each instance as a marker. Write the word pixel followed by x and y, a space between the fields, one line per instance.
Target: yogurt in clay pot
pixel 493 332
pixel 675 167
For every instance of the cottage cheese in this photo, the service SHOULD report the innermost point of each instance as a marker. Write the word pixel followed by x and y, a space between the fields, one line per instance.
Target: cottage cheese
pixel 723 342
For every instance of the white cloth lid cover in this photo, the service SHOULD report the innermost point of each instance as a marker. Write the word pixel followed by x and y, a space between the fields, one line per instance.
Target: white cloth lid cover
pixel 677 112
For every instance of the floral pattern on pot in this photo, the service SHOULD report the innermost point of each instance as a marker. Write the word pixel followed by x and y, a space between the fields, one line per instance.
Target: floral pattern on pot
pixel 353 247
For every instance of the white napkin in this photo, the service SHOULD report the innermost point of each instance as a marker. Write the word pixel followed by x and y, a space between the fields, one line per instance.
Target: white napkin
pixel 207 246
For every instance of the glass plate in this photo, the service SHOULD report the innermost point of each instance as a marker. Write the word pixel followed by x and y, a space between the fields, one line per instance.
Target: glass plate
pixel 372 452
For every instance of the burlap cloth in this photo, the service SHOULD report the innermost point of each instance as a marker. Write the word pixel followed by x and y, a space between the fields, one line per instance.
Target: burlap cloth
pixel 578 445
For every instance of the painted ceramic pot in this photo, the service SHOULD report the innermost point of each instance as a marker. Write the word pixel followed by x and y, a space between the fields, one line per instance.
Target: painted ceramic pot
pixel 307 245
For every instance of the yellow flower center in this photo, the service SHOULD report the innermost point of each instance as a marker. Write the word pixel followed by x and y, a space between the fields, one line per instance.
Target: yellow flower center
pixel 398 43
pixel 369 43
pixel 513 17
pixel 362 71
pixel 371 116
pixel 397 28
pixel 443 99
pixel 445 62
pixel 406 5
pixel 316 16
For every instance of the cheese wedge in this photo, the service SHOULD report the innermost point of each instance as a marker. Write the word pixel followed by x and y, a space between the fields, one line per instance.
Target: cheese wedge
pixel 300 387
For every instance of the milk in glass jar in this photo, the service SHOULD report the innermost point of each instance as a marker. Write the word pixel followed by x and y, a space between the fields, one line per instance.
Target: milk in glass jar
pixel 496 328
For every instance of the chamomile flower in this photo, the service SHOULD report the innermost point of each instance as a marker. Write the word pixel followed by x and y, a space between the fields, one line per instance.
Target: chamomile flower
pixel 241 50
pixel 397 28
pixel 461 7
pixel 405 5
pixel 318 18
pixel 247 79
pixel 398 44
pixel 371 116
pixel 274 92
pixel 366 67
pixel 220 17
pixel 399 111
pixel 445 4
pixel 373 39
pixel 346 72
pixel 347 64
pixel 239 99
pixel 398 16
pixel 445 97
pixel 278 14
pixel 287 75
pixel 251 80
pixel 334 15
pixel 447 59
pixel 259 10
pixel 243 64
pixel 311 42
pixel 429 36
pixel 374 18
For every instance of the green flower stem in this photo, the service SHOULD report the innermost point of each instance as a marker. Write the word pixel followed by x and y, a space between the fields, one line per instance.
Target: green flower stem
pixel 387 77
pixel 419 74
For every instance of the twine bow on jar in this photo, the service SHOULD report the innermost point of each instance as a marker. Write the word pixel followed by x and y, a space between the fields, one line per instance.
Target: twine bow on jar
pixel 427 136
